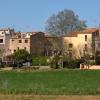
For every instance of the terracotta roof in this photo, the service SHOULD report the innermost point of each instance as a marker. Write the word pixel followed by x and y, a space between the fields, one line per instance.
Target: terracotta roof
pixel 86 31
pixel 72 34
pixel 90 30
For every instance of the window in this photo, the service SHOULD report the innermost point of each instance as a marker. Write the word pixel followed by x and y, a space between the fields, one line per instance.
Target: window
pixel 26 41
pixel 1 40
pixel 20 41
pixel 85 37
pixel 70 45
pixel 14 50
pixel 12 40
pixel 25 48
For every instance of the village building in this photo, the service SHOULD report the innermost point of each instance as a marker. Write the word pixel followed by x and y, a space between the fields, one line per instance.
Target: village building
pixel 78 43
pixel 5 35
pixel 19 42
pixel 54 43
pixel 74 44
pixel 36 43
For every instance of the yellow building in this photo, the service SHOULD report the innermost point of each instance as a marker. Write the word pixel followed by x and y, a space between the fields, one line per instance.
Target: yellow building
pixel 77 43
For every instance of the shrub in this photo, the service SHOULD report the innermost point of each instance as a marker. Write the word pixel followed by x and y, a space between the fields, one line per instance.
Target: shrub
pixel 92 62
pixel 66 61
pixel 55 62
pixel 97 57
pixel 21 56
pixel 1 63
pixel 71 63
pixel 40 60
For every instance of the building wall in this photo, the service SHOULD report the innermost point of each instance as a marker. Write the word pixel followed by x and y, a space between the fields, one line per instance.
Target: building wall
pixel 37 44
pixel 55 41
pixel 54 44
pixel 78 43
pixel 97 44
pixel 15 44
pixel 5 35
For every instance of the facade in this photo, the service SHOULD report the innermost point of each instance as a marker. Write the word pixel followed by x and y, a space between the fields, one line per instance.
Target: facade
pixel 19 43
pixel 97 42
pixel 5 35
pixel 37 43
pixel 74 44
pixel 25 41
pixel 54 44
pixel 80 42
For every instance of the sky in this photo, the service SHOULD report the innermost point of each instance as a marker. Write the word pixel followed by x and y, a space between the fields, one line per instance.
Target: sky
pixel 31 15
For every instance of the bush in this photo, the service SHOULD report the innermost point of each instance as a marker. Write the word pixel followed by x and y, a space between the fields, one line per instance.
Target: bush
pixel 1 63
pixel 66 61
pixel 40 60
pixel 71 63
pixel 92 62
pixel 14 64
pixel 97 57
pixel 55 62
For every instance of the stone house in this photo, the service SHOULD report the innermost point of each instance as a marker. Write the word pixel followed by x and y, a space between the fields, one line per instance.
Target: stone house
pixel 18 41
pixel 54 43
pixel 5 35
pixel 80 42
pixel 34 43
pixel 38 43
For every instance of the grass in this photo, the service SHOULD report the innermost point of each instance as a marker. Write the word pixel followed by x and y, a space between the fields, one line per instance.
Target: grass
pixel 65 82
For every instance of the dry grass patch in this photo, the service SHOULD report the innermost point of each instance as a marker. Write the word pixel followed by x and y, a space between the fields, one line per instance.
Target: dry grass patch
pixel 46 97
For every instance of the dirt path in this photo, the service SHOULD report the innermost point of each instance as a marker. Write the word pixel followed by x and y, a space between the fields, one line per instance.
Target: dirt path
pixel 45 97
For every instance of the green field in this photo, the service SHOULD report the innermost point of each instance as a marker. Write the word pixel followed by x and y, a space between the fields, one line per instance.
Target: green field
pixel 66 82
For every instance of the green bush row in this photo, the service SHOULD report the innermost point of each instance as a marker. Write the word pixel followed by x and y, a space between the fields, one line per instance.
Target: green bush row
pixel 40 61
pixel 65 62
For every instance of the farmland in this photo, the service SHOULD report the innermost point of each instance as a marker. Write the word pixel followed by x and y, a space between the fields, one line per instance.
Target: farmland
pixel 56 82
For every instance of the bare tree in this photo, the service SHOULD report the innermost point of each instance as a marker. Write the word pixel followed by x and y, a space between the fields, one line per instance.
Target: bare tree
pixel 63 22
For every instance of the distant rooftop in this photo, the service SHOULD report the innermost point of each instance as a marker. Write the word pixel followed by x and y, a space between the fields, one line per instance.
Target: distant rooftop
pixel 90 30
pixel 5 29
pixel 87 31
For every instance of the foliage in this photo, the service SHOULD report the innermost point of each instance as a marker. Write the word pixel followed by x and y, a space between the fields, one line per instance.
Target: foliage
pixel 20 56
pixel 71 63
pixel 40 60
pixel 65 62
pixel 92 62
pixel 64 22
pixel 97 57
pixel 55 62
pixel 65 82
pixel 1 64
